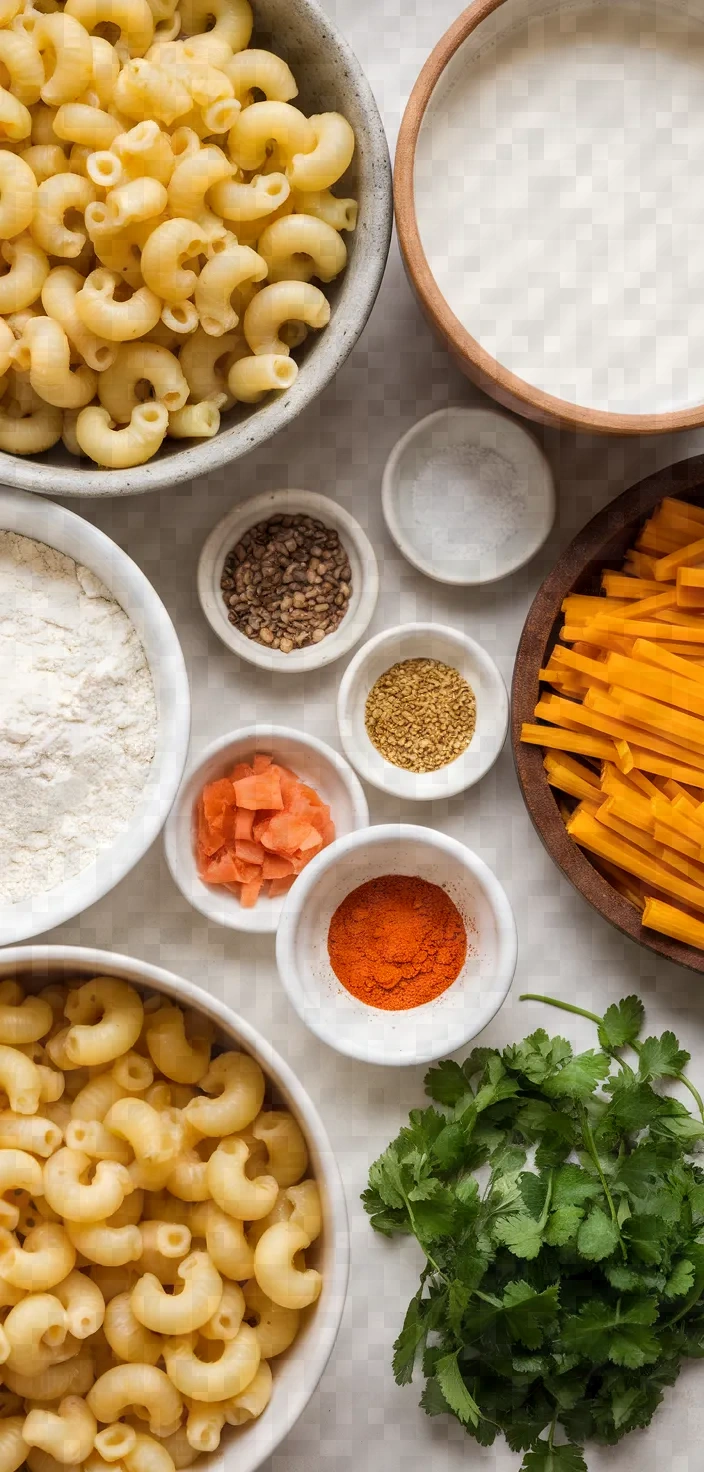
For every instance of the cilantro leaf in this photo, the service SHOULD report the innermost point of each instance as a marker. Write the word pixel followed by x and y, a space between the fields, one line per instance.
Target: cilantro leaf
pixel 385 1177
pixel 598 1236
pixel 459 1400
pixel 681 1279
pixel 447 1083
pixel 406 1345
pixel 562 1225
pixel 544 1458
pixel 662 1058
pixel 521 1234
pixel 458 1296
pixel 530 1314
pixel 579 1078
pixel 602 1331
pixel 538 1056
pixel 572 1186
pixel 622 1023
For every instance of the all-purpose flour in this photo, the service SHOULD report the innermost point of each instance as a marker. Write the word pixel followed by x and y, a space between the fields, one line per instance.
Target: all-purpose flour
pixel 78 717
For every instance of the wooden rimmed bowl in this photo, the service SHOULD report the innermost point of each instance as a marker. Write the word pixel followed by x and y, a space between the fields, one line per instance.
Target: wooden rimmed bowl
pixel 601 544
pixel 476 362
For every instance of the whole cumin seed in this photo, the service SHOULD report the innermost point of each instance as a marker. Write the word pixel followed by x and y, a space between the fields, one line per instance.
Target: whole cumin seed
pixel 421 714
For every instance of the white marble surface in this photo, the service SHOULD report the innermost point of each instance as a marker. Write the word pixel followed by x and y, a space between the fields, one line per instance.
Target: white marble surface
pixel 359 1421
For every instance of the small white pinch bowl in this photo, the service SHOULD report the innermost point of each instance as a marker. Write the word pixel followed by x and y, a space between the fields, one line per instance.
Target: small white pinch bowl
pixel 418 1034
pixel 48 522
pixel 298 1370
pixel 467 428
pixel 312 760
pixel 423 641
pixel 365 579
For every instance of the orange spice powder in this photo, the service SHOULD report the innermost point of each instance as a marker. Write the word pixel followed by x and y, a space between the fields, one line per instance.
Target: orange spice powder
pixel 397 942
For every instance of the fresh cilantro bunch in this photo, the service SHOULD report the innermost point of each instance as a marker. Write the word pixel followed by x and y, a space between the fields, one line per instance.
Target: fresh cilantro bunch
pixel 562 1221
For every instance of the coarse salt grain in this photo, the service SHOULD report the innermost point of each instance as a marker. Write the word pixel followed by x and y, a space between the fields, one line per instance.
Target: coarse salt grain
pixel 466 501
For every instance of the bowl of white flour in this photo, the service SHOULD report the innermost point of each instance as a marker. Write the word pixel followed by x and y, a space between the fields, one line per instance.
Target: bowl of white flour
pixel 94 715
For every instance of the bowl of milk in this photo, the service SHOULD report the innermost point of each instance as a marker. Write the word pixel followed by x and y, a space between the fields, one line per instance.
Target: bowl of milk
pixel 546 208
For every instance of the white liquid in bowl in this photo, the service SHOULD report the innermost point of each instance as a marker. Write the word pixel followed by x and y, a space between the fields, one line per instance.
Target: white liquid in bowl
pixel 560 203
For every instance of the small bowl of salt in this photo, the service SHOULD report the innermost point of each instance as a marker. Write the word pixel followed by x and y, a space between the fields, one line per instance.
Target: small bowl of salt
pixel 468 496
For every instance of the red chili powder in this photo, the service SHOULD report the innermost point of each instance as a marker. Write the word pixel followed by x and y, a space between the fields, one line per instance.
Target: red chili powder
pixel 397 942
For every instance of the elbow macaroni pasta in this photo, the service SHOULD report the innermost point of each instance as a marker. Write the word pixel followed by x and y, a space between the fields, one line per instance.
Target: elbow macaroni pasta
pixel 166 182
pixel 167 1303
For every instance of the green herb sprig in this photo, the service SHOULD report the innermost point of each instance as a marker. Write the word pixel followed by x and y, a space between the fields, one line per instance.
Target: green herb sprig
pixel 561 1215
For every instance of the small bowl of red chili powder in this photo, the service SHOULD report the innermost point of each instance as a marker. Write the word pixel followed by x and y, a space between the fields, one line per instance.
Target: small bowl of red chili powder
pixel 397 945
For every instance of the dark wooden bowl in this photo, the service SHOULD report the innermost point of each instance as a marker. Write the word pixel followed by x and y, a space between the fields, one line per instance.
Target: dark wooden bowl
pixel 602 543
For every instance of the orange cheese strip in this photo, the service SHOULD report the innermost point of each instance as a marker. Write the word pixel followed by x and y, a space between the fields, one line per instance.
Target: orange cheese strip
pixel 688 556
pixel 619 585
pixel 677 616
pixel 616 850
pixel 580 742
pixel 661 737
pixel 642 565
pixel 670 857
pixel 670 838
pixel 672 689
pixel 670 507
pixel 649 761
pixel 664 812
pixel 612 623
pixel 601 638
pixel 662 718
pixel 568 763
pixel 633 809
pixel 657 915
pixel 612 723
pixel 657 604
pixel 690 577
pixel 566 781
pixel 572 661
pixel 690 598
pixel 579 607
pixel 663 659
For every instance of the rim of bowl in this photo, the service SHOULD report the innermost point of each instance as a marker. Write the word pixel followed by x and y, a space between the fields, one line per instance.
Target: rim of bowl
pixel 145 974
pixel 47 521
pixel 246 515
pixel 294 904
pixel 486 370
pixel 420 786
pixel 176 821
pixel 391 492
pixel 346 326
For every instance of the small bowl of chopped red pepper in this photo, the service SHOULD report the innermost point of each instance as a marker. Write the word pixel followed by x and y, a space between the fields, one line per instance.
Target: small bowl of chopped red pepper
pixel 252 813
pixel 397 945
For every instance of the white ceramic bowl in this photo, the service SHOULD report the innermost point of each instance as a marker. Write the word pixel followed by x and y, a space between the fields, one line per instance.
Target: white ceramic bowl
pixel 421 1033
pixel 313 761
pixel 298 1370
pixel 423 641
pixel 365 579
pixel 330 79
pixel 422 451
pixel 31 516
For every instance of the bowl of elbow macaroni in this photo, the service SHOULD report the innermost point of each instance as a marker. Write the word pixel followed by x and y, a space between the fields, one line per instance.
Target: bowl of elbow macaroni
pixel 195 212
pixel 173 1233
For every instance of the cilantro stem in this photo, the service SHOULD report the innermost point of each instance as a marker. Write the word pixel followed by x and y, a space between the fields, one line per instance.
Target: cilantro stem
pixel 592 1017
pixel 551 1433
pixel 563 1006
pixel 594 1154
pixel 692 1298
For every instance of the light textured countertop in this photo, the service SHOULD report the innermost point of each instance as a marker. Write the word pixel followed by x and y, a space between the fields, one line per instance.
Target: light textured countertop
pixel 359 1421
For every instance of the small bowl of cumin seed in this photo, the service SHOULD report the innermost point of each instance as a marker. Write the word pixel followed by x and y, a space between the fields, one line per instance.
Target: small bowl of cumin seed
pixel 288 580
pixel 422 711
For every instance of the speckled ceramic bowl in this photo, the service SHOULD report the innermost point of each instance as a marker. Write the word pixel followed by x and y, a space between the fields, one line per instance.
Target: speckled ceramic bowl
pixel 330 79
